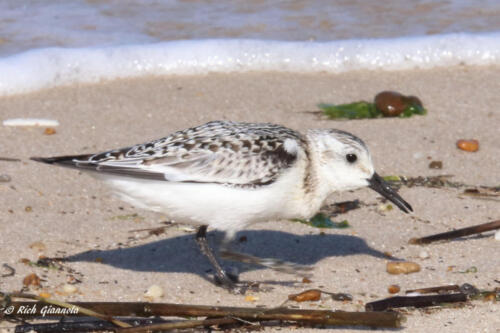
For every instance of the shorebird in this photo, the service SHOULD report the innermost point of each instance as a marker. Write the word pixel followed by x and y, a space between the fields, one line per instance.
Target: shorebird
pixel 228 175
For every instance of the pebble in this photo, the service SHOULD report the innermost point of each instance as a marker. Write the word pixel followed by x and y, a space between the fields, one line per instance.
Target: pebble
pixel 49 131
pixel 69 289
pixel 436 165
pixel 497 235
pixel 390 103
pixel 155 291
pixel 308 295
pixel 468 145
pixel 45 294
pixel 402 267
pixel 39 246
pixel 31 280
pixel 393 289
pixel 5 178
pixel 251 298
pixel 424 255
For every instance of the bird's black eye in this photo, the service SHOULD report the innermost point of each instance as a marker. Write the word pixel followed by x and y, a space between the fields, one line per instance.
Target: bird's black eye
pixel 351 158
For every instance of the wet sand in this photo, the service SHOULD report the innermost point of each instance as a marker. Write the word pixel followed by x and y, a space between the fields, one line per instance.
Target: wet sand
pixel 72 214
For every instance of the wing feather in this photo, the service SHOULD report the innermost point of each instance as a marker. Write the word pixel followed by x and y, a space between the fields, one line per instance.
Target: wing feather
pixel 217 152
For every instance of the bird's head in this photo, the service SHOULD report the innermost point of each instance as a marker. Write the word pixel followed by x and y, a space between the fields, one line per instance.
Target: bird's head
pixel 345 163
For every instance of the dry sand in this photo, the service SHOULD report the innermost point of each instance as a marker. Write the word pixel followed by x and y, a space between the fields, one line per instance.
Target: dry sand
pixel 72 213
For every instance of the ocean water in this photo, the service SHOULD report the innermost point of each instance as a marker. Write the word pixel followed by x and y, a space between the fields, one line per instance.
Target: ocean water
pixel 48 43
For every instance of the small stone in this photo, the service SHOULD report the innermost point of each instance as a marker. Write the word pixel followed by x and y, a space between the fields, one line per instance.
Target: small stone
pixel 49 131
pixel 390 103
pixel 155 291
pixel 468 145
pixel 5 178
pixel 393 289
pixel 39 246
pixel 402 267
pixel 436 165
pixel 423 255
pixel 69 289
pixel 31 280
pixel 306 280
pixel 308 295
pixel 251 298
pixel 28 209
pixel 45 294
pixel 497 235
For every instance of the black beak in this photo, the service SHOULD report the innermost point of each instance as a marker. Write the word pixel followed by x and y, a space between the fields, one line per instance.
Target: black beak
pixel 379 185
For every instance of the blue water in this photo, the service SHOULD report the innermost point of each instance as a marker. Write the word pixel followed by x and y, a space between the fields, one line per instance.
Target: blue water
pixel 56 42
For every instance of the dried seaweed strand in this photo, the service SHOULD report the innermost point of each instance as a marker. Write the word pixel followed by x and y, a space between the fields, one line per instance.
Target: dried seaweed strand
pixel 141 309
pixel 80 309
pixel 457 233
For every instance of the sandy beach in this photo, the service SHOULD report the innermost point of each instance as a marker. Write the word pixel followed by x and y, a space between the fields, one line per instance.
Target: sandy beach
pixel 62 213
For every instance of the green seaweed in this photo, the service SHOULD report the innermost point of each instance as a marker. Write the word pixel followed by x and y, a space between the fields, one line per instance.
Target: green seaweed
pixel 322 221
pixel 412 109
pixel 356 110
pixel 362 110
pixel 392 178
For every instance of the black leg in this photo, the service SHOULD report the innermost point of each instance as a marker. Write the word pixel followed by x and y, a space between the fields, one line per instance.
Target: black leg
pixel 220 273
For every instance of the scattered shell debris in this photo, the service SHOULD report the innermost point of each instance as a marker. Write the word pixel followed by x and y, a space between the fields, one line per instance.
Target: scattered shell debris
pixel 424 255
pixel 69 289
pixel 31 122
pixel 153 292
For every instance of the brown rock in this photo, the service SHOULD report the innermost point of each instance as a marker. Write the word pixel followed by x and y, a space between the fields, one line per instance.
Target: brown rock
pixel 390 103
pixel 393 289
pixel 31 280
pixel 49 131
pixel 436 165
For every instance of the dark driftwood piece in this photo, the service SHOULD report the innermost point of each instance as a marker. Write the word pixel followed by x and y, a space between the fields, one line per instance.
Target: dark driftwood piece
pixel 457 233
pixel 414 301
pixel 322 317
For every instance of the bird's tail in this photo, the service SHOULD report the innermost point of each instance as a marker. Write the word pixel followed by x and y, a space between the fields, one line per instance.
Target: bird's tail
pixel 69 161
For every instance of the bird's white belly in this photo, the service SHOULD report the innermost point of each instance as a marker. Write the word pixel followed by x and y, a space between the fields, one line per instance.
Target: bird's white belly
pixel 221 207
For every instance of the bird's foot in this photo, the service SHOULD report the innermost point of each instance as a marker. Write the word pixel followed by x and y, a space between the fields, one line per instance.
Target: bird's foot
pixel 241 288
pixel 276 264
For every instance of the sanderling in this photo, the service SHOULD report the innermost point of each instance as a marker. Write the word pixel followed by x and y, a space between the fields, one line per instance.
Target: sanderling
pixel 228 175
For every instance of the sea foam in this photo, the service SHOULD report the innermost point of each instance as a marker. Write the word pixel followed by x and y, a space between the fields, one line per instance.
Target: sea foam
pixel 52 67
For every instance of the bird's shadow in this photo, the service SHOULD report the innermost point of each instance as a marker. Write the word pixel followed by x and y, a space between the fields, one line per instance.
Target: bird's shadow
pixel 181 255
